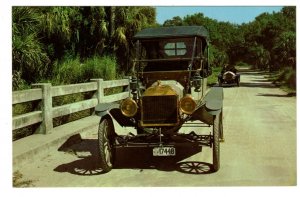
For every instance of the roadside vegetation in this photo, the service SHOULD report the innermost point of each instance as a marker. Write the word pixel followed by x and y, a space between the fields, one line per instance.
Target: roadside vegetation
pixel 19 182
pixel 213 78
pixel 65 45
pixel 268 43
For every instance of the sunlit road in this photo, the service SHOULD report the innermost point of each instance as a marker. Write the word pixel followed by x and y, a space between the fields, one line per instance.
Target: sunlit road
pixel 259 150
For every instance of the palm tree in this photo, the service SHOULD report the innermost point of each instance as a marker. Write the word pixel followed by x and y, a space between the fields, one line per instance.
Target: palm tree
pixel 29 58
pixel 127 22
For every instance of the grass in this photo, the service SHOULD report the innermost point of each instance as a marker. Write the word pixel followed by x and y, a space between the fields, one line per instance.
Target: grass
pixel 213 78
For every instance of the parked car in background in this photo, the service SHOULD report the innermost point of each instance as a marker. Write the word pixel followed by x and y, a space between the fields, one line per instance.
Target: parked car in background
pixel 229 75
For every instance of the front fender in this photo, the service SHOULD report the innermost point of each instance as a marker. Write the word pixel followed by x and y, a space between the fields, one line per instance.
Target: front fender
pixel 213 105
pixel 113 110
pixel 214 100
pixel 102 109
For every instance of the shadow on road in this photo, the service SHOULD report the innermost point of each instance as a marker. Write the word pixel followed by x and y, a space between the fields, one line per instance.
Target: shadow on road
pixel 257 85
pixel 194 167
pixel 87 159
pixel 279 95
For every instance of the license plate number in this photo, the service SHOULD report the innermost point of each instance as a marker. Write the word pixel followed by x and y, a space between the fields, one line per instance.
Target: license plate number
pixel 164 151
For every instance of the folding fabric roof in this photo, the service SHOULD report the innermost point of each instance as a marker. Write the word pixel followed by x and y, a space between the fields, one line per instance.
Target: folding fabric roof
pixel 173 31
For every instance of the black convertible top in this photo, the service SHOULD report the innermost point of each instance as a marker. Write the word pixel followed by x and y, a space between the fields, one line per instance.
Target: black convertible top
pixel 173 31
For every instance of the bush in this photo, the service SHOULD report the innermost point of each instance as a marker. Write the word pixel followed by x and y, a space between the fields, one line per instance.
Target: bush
pixel 71 71
pixel 100 67
pixel 287 77
pixel 213 78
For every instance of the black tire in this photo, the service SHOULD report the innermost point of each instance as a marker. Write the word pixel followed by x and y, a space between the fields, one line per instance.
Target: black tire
pixel 238 82
pixel 220 83
pixel 106 138
pixel 216 144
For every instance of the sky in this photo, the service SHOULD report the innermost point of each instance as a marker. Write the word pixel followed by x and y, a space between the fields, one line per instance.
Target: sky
pixel 233 14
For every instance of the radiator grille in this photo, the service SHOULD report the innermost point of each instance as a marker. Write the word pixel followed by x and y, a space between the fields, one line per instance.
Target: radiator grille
pixel 159 110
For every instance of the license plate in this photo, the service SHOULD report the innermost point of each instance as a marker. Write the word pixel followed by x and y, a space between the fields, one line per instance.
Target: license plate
pixel 164 151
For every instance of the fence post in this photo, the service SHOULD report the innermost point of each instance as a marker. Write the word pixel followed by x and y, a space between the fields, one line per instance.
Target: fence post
pixel 100 90
pixel 47 124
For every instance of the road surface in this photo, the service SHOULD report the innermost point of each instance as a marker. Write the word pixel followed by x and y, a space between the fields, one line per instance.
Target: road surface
pixel 259 150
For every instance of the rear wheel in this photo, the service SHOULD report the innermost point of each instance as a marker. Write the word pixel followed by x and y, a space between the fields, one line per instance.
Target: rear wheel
pixel 106 138
pixel 238 81
pixel 216 143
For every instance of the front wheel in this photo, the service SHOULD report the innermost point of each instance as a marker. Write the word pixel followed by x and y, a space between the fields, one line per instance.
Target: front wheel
pixel 106 138
pixel 216 143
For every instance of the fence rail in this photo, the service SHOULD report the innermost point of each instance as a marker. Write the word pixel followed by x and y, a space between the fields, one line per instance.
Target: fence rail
pixel 45 92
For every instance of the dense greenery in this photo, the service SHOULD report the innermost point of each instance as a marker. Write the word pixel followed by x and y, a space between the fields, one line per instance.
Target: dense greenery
pixel 50 41
pixel 267 43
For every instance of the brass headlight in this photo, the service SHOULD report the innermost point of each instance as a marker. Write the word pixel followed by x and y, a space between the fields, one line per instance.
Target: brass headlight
pixel 128 107
pixel 187 104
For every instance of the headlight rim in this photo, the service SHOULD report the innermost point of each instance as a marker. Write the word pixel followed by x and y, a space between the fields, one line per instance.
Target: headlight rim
pixel 193 102
pixel 132 102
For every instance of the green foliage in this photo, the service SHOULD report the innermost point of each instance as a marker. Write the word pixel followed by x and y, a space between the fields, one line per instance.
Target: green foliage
pixel 216 57
pixel 267 43
pixel 213 78
pixel 287 78
pixel 18 83
pixel 175 21
pixel 127 22
pixel 44 36
pixel 72 71
pixel 271 39
pixel 29 57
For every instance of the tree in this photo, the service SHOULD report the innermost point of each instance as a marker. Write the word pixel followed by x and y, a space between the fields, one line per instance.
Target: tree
pixel 285 49
pixel 175 21
pixel 128 21
pixel 29 57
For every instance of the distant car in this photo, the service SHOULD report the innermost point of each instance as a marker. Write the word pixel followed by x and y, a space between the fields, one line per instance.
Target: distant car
pixel 229 77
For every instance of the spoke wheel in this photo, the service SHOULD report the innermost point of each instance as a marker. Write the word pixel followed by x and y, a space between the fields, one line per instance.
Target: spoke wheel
pixel 106 137
pixel 216 143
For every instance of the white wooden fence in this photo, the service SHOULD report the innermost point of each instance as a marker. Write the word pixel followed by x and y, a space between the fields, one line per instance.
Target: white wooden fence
pixel 45 92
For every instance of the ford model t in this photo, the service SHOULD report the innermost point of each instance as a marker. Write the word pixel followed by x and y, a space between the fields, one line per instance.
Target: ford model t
pixel 229 75
pixel 168 90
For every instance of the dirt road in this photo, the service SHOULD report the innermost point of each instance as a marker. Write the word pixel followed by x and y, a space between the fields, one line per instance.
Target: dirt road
pixel 259 150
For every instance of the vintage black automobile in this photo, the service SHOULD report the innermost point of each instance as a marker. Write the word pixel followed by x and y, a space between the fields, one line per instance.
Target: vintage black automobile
pixel 229 75
pixel 168 90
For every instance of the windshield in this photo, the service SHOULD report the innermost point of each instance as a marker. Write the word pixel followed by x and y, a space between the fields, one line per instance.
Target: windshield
pixel 167 49
pixel 168 54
